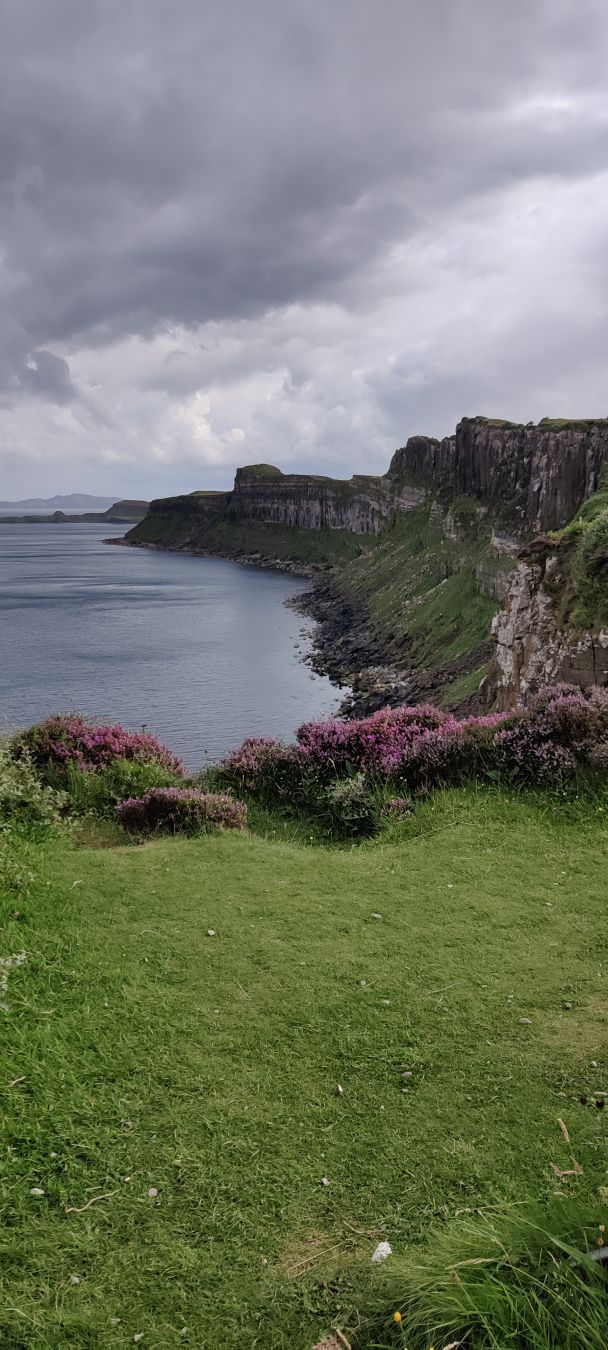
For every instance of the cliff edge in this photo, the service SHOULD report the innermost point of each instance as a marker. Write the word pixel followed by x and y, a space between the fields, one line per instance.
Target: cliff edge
pixel 426 592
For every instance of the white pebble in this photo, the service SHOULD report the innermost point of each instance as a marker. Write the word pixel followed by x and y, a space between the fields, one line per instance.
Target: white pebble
pixel 325 1181
pixel 376 916
pixel 211 932
pixel 74 1279
pixel 36 1190
pixel 139 1336
pixel 152 1192
pixel 383 1250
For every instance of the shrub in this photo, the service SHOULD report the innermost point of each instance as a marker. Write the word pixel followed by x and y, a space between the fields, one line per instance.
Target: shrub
pixel 444 756
pixel 102 791
pixel 396 808
pixel 24 799
pixel 560 737
pixel 267 768
pixel 71 739
pixel 176 810
pixel 342 773
pixel 374 743
pixel 350 806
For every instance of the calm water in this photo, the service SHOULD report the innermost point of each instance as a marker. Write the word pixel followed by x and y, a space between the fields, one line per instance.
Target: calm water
pixel 200 650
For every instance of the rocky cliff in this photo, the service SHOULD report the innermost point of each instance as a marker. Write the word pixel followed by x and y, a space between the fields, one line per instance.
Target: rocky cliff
pixel 533 648
pixel 530 477
pixel 535 477
pixel 426 554
pixel 362 505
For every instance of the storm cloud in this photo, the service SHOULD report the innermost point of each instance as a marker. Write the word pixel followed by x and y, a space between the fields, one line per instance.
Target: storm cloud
pixel 292 231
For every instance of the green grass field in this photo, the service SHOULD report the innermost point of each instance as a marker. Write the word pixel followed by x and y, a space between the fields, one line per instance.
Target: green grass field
pixel 140 1054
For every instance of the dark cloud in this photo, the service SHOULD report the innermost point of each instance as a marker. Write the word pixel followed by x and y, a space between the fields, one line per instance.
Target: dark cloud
pixel 199 166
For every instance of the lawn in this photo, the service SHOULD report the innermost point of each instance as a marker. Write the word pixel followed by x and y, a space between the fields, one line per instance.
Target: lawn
pixel 174 1094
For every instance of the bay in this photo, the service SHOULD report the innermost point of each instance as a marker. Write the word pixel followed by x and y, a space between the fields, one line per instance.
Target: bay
pixel 201 651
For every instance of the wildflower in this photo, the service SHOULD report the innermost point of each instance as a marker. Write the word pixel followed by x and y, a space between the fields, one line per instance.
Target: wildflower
pixel 397 1318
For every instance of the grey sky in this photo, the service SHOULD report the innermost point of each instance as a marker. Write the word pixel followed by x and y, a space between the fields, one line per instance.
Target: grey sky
pixel 292 230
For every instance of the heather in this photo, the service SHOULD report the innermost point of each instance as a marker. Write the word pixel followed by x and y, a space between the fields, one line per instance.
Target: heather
pixel 180 811
pixel 345 773
pixel 73 740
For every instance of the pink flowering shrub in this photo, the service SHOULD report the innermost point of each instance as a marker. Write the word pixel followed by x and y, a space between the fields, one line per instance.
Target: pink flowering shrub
pixel 266 768
pixel 373 744
pixel 396 808
pixel 72 740
pixel 177 810
pixel 560 736
pixel 343 772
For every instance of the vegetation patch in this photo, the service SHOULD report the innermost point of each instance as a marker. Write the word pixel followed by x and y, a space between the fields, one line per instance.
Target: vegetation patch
pixel 171 1113
pixel 236 1065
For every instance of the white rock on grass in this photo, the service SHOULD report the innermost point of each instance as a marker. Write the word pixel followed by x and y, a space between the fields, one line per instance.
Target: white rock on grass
pixel 383 1250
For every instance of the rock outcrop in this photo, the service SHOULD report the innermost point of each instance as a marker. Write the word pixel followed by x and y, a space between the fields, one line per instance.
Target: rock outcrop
pixel 535 477
pixel 486 490
pixel 363 505
pixel 532 648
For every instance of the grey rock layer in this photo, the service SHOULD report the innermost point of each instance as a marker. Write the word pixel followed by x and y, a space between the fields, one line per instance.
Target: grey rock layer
pixel 531 649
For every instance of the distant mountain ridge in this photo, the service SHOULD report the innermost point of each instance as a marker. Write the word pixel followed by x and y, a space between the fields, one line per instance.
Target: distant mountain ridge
pixel 74 501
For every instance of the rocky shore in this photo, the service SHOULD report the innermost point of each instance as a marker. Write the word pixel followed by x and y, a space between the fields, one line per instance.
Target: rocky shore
pixel 346 647
pixel 354 654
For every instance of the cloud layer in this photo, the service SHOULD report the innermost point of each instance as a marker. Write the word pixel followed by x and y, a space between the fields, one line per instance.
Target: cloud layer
pixel 293 232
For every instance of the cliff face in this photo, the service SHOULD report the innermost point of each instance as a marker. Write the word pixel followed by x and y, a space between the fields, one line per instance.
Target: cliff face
pixel 531 477
pixel 532 648
pixel 536 477
pixel 299 501
pixel 426 554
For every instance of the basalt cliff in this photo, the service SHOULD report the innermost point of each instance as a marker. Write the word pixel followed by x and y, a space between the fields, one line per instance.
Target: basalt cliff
pixel 474 570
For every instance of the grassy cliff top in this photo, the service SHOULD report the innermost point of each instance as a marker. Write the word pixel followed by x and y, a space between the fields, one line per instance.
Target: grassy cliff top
pixel 172 1096
pixel 545 423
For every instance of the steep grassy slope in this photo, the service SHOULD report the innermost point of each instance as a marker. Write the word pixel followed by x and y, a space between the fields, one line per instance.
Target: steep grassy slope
pixel 429 588
pixel 582 592
pixel 173 1095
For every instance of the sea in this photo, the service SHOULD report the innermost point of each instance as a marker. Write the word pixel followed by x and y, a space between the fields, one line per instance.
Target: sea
pixel 200 651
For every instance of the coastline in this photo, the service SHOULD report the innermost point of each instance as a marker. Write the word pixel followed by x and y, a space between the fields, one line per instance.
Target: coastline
pixel 344 647
pixel 347 646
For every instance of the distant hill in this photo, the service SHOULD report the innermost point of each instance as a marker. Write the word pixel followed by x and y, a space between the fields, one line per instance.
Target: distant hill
pixel 74 501
pixel 123 512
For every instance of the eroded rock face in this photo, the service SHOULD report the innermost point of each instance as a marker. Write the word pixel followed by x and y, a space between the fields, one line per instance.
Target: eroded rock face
pixel 362 505
pixel 535 476
pixel 531 649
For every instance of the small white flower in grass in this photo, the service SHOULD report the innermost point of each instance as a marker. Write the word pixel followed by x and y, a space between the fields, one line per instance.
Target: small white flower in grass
pixel 325 1181
pixel 115 1321
pixel 152 1192
pixel 383 1250
pixel 139 1336
pixel 376 916
pixel 74 1279
pixel 36 1190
